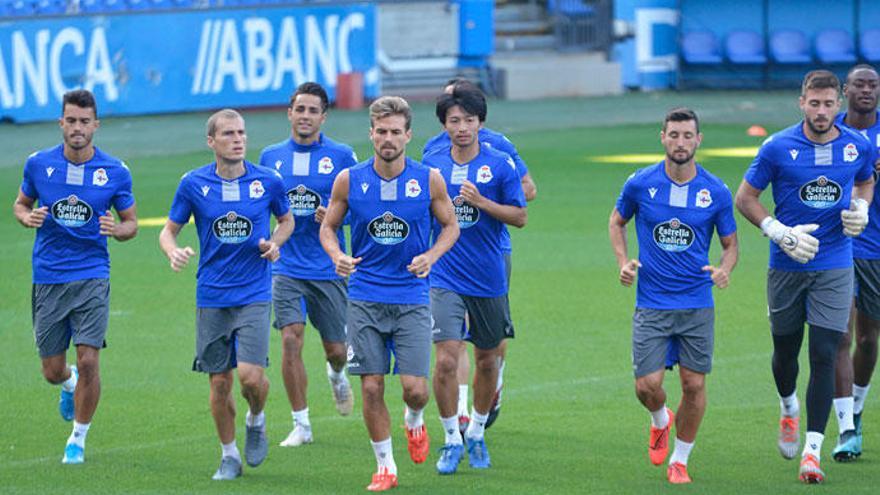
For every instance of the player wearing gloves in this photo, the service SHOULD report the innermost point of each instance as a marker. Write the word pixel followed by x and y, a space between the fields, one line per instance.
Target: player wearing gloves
pixel 822 178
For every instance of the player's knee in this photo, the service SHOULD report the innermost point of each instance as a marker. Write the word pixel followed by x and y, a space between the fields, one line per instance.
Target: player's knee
pixel 646 388
pixel 372 390
pixel 53 373
pixel 221 386
pixel 415 396
pixel 292 343
pixel 445 364
pixel 693 388
pixel 336 357
pixel 251 381
pixel 87 366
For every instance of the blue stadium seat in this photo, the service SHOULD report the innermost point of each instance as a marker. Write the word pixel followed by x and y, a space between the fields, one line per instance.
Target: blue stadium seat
pixel 789 47
pixel 700 47
pixel 20 8
pixel 869 45
pixel 50 7
pixel 141 5
pixel 745 47
pixel 569 7
pixel 835 46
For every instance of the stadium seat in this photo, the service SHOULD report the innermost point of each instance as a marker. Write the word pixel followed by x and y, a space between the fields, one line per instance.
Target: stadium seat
pixel 789 47
pixel 50 7
pixel 745 47
pixel 700 47
pixel 835 46
pixel 569 7
pixel 20 8
pixel 869 45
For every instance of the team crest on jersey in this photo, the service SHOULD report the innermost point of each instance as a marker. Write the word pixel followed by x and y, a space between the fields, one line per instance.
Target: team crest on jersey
pixel 278 164
pixel 49 171
pixel 850 153
pixel 673 235
pixel 413 189
pixel 72 211
pixel 704 198
pixel 99 178
pixel 466 214
pixel 256 189
pixel 303 201
pixel 388 229
pixel 821 193
pixel 484 174
pixel 325 165
pixel 232 228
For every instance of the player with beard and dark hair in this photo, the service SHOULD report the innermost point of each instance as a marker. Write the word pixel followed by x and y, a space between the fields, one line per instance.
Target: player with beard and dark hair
pixel 822 178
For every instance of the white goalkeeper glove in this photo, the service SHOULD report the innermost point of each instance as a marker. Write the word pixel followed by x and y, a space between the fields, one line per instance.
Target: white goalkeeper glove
pixel 855 218
pixel 795 241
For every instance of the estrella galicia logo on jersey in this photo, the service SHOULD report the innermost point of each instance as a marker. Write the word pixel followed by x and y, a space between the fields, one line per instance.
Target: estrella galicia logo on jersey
pixel 466 214
pixel 232 228
pixel 303 201
pixel 821 193
pixel 673 235
pixel 388 229
pixel 72 211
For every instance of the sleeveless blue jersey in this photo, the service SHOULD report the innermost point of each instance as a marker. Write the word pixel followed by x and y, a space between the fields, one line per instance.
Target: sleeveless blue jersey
pixel 867 245
pixel 812 183
pixel 390 225
pixel 231 216
pixel 475 264
pixel 69 245
pixel 308 173
pixel 674 225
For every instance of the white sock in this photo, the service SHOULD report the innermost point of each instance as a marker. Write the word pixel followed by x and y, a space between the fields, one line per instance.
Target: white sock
pixel 78 435
pixel 69 385
pixel 230 450
pixel 384 456
pixel 255 420
pixel 790 406
pixel 660 418
pixel 450 429
pixel 681 452
pixel 844 408
pixel 463 400
pixel 414 419
pixel 500 375
pixel 334 375
pixel 301 418
pixel 813 445
pixel 477 426
pixel 859 396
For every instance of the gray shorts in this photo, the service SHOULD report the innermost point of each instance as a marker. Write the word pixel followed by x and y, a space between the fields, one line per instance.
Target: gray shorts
pixel 227 336
pixel 378 330
pixel 867 287
pixel 488 318
pixel 323 301
pixel 821 298
pixel 76 311
pixel 653 330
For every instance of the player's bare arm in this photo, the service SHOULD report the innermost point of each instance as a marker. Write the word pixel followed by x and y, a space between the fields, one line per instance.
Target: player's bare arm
pixel 177 256
pixel 124 229
pixel 271 249
pixel 749 204
pixel 441 208
pixel 511 215
pixel 729 256
pixel 26 214
pixel 345 265
pixel 617 233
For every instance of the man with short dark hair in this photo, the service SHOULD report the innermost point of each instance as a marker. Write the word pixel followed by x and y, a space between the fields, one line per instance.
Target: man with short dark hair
pixel 678 206
pixel 303 280
pixel 76 184
pixel 822 178
pixel 232 201
pixel 853 372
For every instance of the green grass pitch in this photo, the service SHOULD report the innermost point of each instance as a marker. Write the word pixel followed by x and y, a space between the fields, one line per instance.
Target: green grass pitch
pixel 570 421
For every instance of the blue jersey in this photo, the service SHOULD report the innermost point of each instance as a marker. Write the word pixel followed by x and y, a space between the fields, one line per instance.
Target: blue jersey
pixel 231 216
pixel 475 264
pixel 674 225
pixel 390 225
pixel 812 183
pixel 308 173
pixel 867 245
pixel 69 246
pixel 487 137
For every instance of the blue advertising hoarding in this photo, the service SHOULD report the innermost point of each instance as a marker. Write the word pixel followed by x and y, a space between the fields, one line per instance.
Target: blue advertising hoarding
pixel 169 62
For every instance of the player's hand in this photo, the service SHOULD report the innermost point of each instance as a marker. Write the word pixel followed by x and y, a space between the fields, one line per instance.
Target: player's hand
pixel 319 214
pixel 420 266
pixel 795 241
pixel 720 276
pixel 471 194
pixel 180 257
pixel 346 265
pixel 269 249
pixel 107 223
pixel 628 272
pixel 855 219
pixel 37 216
